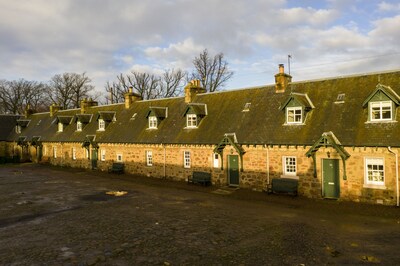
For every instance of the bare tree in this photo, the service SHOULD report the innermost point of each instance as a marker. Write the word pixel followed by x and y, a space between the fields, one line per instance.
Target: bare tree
pixel 68 89
pixel 213 72
pixel 149 86
pixel 18 95
pixel 170 83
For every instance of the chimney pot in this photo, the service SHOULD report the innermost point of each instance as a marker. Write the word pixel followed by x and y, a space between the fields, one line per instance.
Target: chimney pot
pixel 281 68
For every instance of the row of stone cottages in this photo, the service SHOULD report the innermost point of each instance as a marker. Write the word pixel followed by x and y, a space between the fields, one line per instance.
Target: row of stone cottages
pixel 339 137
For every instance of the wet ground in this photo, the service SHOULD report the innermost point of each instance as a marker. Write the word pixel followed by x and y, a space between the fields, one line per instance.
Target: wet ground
pixel 61 216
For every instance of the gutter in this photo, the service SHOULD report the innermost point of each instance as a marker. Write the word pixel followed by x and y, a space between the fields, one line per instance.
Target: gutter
pixel 165 171
pixel 397 174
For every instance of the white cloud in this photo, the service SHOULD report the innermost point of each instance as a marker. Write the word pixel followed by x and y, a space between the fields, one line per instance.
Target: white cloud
pixel 388 7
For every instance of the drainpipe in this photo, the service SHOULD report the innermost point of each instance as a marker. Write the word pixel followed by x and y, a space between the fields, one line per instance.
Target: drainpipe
pixel 267 165
pixel 165 170
pixel 397 174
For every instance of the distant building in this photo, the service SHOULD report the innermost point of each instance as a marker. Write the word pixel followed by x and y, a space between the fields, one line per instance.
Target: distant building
pixel 338 137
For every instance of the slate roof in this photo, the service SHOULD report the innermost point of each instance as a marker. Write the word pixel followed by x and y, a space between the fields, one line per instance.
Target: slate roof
pixel 264 123
pixel 7 125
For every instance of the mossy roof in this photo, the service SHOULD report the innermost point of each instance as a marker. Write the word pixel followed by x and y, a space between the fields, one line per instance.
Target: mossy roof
pixel 263 123
pixel 7 125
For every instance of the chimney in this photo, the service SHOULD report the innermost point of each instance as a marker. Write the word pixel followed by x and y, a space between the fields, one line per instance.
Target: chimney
pixel 192 89
pixel 86 104
pixel 282 80
pixel 131 97
pixel 28 111
pixel 54 108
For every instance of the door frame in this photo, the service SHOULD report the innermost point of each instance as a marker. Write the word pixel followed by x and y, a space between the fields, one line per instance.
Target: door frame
pixel 336 176
pixel 229 170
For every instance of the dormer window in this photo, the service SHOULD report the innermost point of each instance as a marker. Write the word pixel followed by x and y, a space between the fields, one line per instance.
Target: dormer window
pixel 296 108
pixel 155 115
pixel 195 113
pixel 294 115
pixel 82 120
pixel 21 123
pixel 18 129
pixel 152 122
pixel 105 118
pixel 79 126
pixel 102 125
pixel 382 103
pixel 380 111
pixel 62 122
pixel 191 120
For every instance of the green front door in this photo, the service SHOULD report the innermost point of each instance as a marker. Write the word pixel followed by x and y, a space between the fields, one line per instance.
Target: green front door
pixel 330 176
pixel 94 158
pixel 233 170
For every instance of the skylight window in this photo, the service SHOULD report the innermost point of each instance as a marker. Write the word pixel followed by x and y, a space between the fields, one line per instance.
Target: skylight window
pixel 246 107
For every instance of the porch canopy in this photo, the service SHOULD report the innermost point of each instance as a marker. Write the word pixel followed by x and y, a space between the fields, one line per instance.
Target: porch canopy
pixel 229 139
pixel 328 139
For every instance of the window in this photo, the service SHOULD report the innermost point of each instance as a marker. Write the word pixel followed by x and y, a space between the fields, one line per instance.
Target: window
pixel 103 155
pixel 381 111
pixel 149 158
pixel 152 122
pixel 60 127
pixel 102 124
pixel 186 159
pixel 246 107
pixel 294 115
pixel 374 171
pixel 119 157
pixel 54 152
pixel 289 165
pixel 18 129
pixel 73 154
pixel 216 160
pixel 191 120
pixel 78 126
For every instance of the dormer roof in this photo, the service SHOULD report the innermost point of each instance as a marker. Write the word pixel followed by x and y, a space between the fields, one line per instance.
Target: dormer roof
pixel 83 118
pixel 301 99
pixel 159 112
pixel 63 119
pixel 385 90
pixel 106 116
pixel 199 109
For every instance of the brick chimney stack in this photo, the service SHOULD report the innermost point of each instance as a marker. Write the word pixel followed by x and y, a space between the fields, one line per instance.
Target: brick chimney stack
pixel 282 80
pixel 131 97
pixel 86 104
pixel 54 108
pixel 192 89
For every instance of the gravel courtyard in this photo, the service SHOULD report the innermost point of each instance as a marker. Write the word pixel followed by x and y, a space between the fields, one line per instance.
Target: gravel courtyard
pixel 62 216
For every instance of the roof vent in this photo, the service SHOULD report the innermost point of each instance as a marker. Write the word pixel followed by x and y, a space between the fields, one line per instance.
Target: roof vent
pixel 340 98
pixel 246 107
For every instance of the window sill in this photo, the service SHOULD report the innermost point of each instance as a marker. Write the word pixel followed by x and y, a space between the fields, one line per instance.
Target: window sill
pixel 290 176
pixel 374 186
pixel 294 124
pixel 380 121
pixel 190 127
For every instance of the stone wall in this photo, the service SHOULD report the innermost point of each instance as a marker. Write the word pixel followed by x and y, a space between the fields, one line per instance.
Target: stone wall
pixel 261 163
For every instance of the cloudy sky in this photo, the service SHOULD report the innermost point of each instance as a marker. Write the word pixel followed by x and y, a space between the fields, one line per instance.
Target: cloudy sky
pixel 41 38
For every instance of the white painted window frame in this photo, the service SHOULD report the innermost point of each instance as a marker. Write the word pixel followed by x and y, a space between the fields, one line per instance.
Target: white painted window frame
pixel 103 155
pixel 289 164
pixel 298 115
pixel 380 108
pixel 191 120
pixel 18 129
pixel 119 157
pixel 79 126
pixel 186 159
pixel 149 158
pixel 60 127
pixel 102 125
pixel 73 153
pixel 377 169
pixel 216 160
pixel 153 123
pixel 55 152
